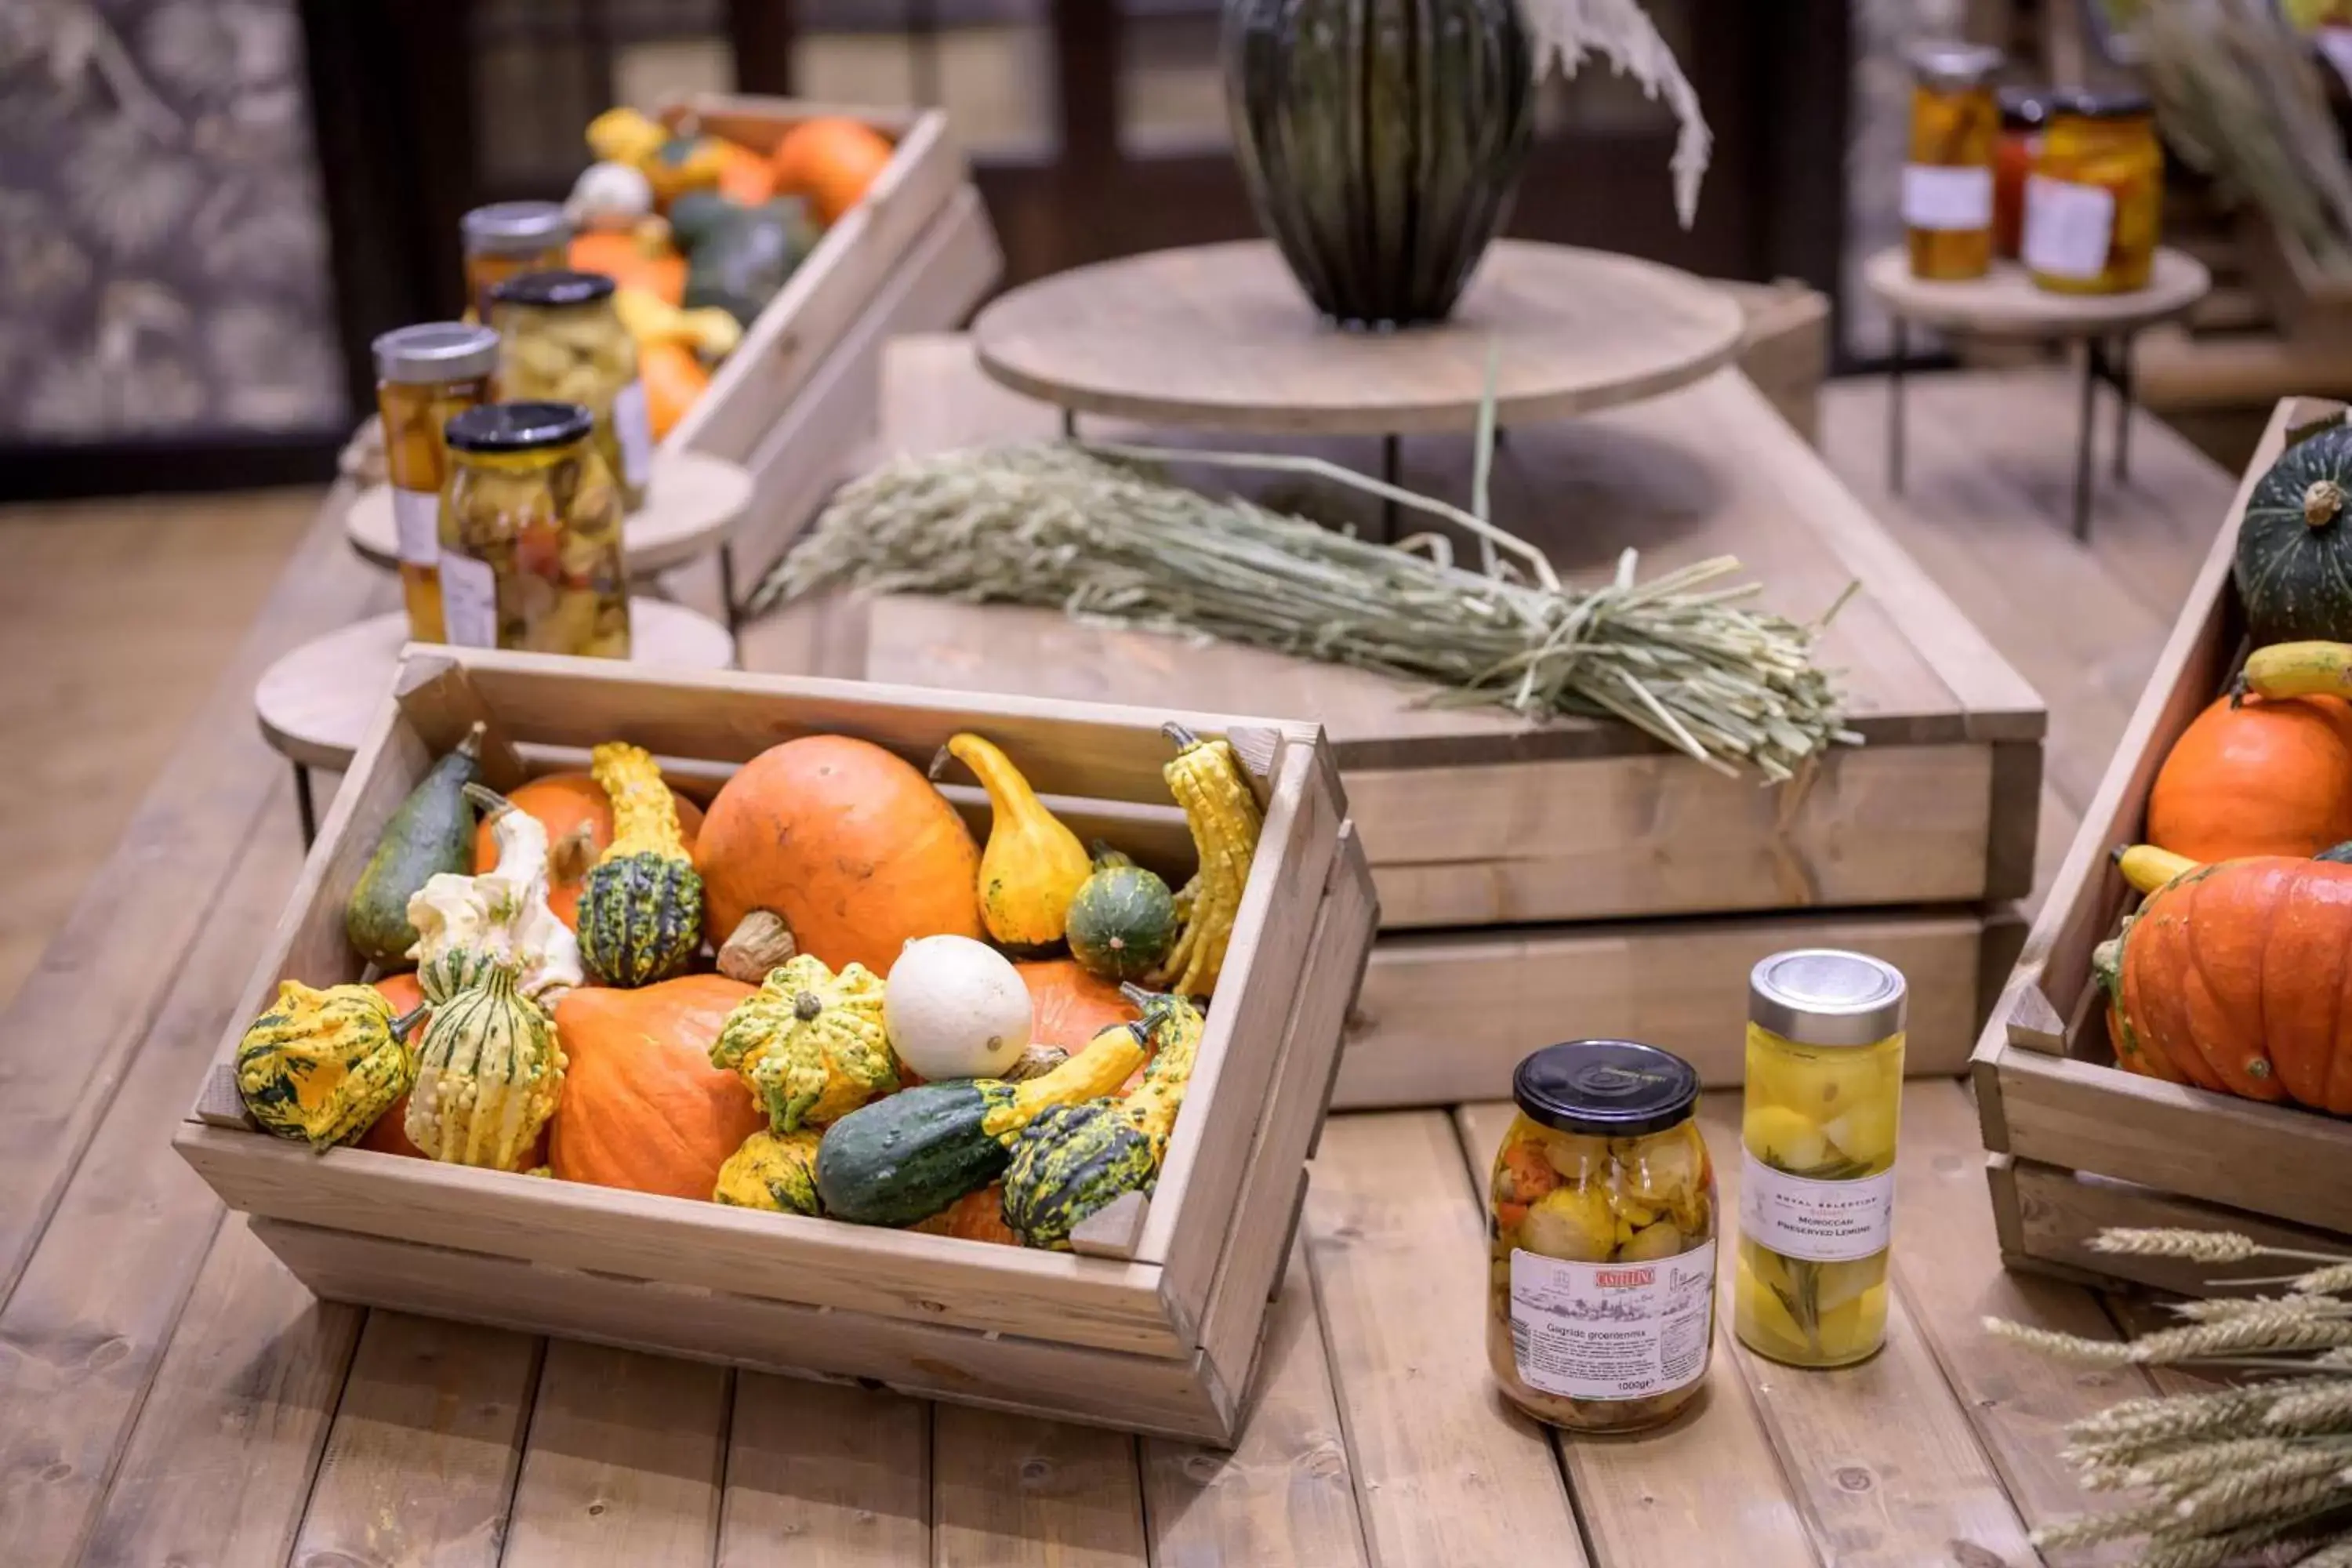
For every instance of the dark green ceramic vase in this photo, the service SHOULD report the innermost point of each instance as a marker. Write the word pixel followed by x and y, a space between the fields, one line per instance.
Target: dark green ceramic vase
pixel 1381 141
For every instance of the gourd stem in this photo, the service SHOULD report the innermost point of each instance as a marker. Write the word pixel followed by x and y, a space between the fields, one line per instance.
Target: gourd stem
pixel 2322 501
pixel 807 1005
pixel 1184 738
pixel 471 746
pixel 489 802
pixel 410 1019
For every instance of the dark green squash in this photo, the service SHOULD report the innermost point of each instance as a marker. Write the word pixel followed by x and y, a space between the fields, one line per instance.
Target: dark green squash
pixel 1122 920
pixel 1071 1163
pixel 2340 854
pixel 2294 565
pixel 432 831
pixel 640 919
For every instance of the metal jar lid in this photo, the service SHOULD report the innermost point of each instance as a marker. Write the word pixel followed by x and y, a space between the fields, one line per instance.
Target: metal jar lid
pixel 515 229
pixel 1607 1089
pixel 554 288
pixel 1823 996
pixel 2100 103
pixel 1949 63
pixel 435 352
pixel 518 426
pixel 2025 108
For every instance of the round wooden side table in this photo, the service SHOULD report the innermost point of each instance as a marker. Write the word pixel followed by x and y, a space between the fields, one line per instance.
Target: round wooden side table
pixel 2004 303
pixel 315 701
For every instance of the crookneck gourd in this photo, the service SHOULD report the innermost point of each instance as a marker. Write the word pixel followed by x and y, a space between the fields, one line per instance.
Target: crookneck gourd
pixel 1122 920
pixel 1075 1160
pixel 321 1066
pixel 810 1043
pixel 906 1158
pixel 773 1171
pixel 430 835
pixel 490 1073
pixel 1207 781
pixel 467 926
pixel 1032 866
pixel 641 907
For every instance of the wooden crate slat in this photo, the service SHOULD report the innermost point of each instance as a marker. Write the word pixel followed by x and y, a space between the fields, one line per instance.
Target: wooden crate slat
pixel 838 1474
pixel 1017 1492
pixel 2058 1211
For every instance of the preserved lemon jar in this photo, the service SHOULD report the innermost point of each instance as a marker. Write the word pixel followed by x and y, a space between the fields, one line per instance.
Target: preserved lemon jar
pixel 426 375
pixel 1817 1180
pixel 1948 183
pixel 1601 1286
pixel 531 533
pixel 507 240
pixel 563 343
pixel 2095 197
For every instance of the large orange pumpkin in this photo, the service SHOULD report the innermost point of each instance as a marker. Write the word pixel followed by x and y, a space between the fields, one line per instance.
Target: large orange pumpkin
pixel 850 847
pixel 643 1108
pixel 389 1133
pixel 829 161
pixel 2266 778
pixel 2232 977
pixel 1068 1007
pixel 975 1216
pixel 577 816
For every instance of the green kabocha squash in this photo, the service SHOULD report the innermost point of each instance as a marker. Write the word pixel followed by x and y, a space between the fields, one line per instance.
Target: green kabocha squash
pixel 904 1158
pixel 1123 919
pixel 810 1044
pixel 1073 1161
pixel 321 1066
pixel 771 1171
pixel 489 1074
pixel 2341 854
pixel 430 834
pixel 2294 565
pixel 641 907
pixel 468 925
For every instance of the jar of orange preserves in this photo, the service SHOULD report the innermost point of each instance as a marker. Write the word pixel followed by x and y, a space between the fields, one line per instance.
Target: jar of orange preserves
pixel 1948 183
pixel 426 376
pixel 507 240
pixel 2024 112
pixel 1601 1284
pixel 2096 194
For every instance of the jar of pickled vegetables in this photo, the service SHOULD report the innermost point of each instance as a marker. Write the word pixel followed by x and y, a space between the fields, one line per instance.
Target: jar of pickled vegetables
pixel 531 533
pixel 563 343
pixel 1817 1179
pixel 426 375
pixel 2095 197
pixel 507 240
pixel 1601 1285
pixel 2024 111
pixel 1948 183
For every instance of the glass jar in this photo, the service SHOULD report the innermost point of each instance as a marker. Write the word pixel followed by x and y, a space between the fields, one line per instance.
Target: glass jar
pixel 2095 197
pixel 2024 113
pixel 531 533
pixel 426 375
pixel 1948 183
pixel 564 343
pixel 1601 1284
pixel 1817 1179
pixel 507 240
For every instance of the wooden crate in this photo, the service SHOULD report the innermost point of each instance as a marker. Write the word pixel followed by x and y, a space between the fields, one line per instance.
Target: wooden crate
pixel 1156 1330
pixel 2308 304
pixel 2076 1142
pixel 796 400
pixel 1909 847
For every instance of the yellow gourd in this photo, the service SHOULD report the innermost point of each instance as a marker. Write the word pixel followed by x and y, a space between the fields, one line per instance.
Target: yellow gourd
pixel 811 1044
pixel 771 1171
pixel 1032 865
pixel 1206 780
pixel 321 1066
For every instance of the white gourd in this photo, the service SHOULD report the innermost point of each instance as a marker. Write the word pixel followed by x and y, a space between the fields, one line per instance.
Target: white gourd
pixel 956 1008
pixel 500 916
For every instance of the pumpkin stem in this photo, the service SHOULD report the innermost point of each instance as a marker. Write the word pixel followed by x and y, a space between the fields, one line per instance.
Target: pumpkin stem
pixel 807 1005
pixel 570 856
pixel 2322 501
pixel 760 943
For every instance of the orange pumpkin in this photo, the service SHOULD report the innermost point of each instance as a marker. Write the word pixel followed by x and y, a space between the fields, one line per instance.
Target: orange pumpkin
pixel 643 1108
pixel 577 816
pixel 626 259
pixel 2269 777
pixel 2230 977
pixel 975 1216
pixel 1069 1007
pixel 850 847
pixel 389 1133
pixel 745 177
pixel 674 380
pixel 829 162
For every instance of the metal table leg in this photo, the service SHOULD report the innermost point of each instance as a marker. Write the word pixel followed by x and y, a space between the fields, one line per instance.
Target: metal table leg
pixel 2121 373
pixel 732 609
pixel 1391 470
pixel 1894 389
pixel 2092 359
pixel 303 807
pixel 1069 424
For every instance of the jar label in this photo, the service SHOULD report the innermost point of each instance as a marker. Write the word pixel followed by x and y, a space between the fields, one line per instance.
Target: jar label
pixel 1820 1222
pixel 417 519
pixel 469 601
pixel 635 428
pixel 2068 228
pixel 1937 198
pixel 1612 1330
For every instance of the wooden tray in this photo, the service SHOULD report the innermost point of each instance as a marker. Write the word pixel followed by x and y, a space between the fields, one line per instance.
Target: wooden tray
pixel 2077 1144
pixel 1157 1331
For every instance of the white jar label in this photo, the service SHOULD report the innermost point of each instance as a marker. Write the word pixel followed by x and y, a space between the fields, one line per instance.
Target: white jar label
pixel 417 519
pixel 2067 227
pixel 1820 1222
pixel 469 601
pixel 635 428
pixel 1936 198
pixel 1612 1330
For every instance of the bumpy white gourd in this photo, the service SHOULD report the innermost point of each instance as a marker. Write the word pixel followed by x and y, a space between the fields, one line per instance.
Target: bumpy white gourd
pixel 501 917
pixel 956 1008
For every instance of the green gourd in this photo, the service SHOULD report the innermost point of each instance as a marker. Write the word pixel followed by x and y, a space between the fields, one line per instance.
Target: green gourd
pixel 2294 565
pixel 904 1158
pixel 1122 920
pixel 641 906
pixel 2340 854
pixel 432 832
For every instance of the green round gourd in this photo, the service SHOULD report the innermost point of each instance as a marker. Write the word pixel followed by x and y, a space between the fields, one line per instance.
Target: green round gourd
pixel 1070 1164
pixel 640 919
pixel 2294 565
pixel 1122 920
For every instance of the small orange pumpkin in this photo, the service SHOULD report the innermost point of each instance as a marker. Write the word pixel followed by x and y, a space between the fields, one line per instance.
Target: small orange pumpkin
pixel 389 1133
pixel 675 381
pixel 829 161
pixel 745 177
pixel 577 816
pixel 629 260
pixel 643 1108
pixel 2267 778
pixel 975 1216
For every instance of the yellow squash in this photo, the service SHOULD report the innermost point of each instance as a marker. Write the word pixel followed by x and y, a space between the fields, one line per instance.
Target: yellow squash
pixel 1223 815
pixel 810 1044
pixel 2298 669
pixel 1032 865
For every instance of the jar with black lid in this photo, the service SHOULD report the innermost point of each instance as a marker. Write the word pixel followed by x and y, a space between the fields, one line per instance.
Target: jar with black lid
pixel 562 340
pixel 531 533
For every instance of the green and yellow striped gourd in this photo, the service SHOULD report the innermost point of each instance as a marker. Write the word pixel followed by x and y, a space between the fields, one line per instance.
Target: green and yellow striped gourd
pixel 321 1066
pixel 489 1072
pixel 641 906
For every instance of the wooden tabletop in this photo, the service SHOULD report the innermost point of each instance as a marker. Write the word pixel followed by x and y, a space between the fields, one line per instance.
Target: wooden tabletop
pixel 1219 337
pixel 2005 302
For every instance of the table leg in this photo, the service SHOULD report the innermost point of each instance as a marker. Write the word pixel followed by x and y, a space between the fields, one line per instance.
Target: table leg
pixel 731 610
pixel 2122 372
pixel 1069 424
pixel 303 808
pixel 2083 440
pixel 1894 388
pixel 1391 470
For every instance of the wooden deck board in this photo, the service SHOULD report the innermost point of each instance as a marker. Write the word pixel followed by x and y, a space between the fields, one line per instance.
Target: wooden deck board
pixel 835 1477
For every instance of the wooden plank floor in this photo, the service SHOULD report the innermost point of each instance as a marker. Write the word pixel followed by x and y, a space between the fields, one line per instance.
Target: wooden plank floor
pixel 168 1395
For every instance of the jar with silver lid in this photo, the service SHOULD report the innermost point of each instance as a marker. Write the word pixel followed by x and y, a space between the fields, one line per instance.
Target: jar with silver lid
pixel 507 240
pixel 1824 1106
pixel 427 375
